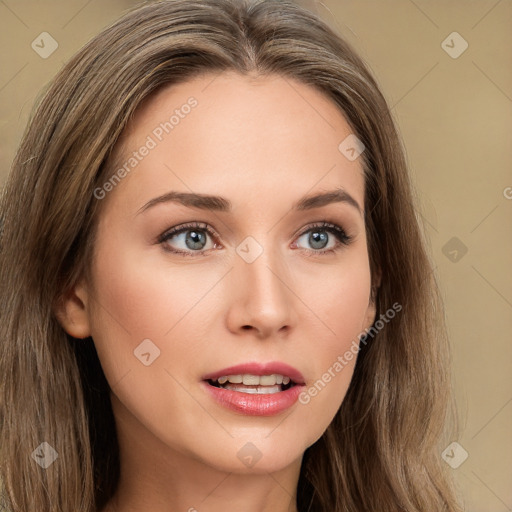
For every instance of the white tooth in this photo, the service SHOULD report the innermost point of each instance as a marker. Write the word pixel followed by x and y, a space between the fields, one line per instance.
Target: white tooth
pixel 268 380
pixel 286 380
pixel 250 391
pixel 279 379
pixel 268 390
pixel 222 380
pixel 235 379
pixel 251 380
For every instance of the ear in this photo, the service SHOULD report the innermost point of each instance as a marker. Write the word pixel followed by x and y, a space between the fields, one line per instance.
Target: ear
pixel 376 284
pixel 72 311
pixel 372 305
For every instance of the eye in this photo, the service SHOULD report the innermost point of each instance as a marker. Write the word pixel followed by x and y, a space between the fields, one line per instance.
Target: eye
pixel 192 237
pixel 317 236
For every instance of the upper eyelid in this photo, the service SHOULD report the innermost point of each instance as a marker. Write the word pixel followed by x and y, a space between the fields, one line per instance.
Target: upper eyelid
pixel 177 230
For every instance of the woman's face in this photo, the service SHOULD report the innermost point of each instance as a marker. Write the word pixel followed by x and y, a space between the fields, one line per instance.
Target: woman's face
pixel 250 280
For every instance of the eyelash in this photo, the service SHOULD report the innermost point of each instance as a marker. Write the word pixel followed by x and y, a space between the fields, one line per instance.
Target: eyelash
pixel 342 238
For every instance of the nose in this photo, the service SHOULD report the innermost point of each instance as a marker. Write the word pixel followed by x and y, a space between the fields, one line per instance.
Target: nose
pixel 261 297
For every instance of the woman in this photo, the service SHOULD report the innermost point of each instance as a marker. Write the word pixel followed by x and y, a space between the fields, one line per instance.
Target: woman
pixel 289 353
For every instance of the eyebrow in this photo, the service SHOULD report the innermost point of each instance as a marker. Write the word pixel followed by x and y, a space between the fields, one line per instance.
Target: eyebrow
pixel 221 204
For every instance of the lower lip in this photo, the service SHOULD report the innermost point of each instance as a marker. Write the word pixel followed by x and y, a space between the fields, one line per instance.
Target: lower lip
pixel 253 404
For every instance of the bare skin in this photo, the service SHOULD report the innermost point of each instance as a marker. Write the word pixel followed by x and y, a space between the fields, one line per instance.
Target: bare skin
pixel 262 143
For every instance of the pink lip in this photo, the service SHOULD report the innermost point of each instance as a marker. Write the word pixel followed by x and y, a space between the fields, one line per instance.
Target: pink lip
pixel 259 369
pixel 256 404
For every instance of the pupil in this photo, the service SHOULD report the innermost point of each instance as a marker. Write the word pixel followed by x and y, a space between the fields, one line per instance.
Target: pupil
pixel 318 237
pixel 196 238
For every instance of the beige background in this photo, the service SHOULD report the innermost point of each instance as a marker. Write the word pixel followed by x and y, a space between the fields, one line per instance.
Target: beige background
pixel 455 115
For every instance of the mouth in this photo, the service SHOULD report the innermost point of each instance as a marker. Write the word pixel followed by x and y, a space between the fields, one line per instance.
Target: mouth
pixel 255 388
pixel 254 384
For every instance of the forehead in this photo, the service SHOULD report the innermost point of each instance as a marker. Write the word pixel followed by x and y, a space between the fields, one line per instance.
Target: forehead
pixel 232 135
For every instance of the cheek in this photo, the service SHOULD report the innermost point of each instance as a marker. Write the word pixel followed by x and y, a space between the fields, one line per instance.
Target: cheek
pixel 141 309
pixel 341 303
pixel 142 297
pixel 339 295
pixel 145 295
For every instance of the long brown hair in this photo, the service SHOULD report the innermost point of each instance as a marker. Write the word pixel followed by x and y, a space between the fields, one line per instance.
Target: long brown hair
pixel 382 450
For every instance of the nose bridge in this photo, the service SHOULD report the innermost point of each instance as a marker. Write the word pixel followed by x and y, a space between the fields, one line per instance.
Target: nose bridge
pixel 264 299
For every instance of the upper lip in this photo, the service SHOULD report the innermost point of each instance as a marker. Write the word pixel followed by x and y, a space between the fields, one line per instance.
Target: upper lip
pixel 256 368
